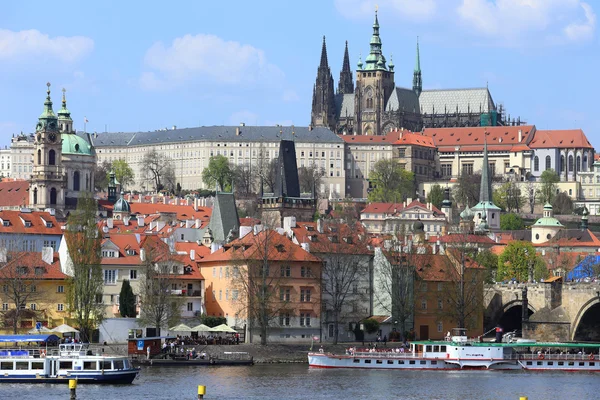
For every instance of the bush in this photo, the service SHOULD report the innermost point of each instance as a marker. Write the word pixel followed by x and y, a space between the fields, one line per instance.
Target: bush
pixel 371 325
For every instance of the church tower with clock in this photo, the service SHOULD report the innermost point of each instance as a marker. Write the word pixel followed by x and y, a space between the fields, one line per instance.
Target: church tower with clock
pixel 48 181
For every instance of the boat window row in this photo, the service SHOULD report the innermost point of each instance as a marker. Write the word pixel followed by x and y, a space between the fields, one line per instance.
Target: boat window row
pixel 21 365
pixel 435 348
pixel 390 362
pixel 562 363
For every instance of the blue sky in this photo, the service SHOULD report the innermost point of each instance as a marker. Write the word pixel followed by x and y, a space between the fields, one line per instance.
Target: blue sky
pixel 131 65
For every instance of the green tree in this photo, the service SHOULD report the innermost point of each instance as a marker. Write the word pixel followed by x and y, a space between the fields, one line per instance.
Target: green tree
pixel 159 169
pixel 517 261
pixel 489 260
pixel 547 191
pixel 123 172
pixel 127 301
pixel 371 325
pixel 391 182
pixel 562 204
pixel 508 197
pixel 218 172
pixel 101 175
pixel 212 321
pixel 511 222
pixel 466 190
pixel 436 195
pixel 83 265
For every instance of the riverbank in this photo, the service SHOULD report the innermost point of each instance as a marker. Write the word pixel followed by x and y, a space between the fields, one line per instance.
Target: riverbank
pixel 274 353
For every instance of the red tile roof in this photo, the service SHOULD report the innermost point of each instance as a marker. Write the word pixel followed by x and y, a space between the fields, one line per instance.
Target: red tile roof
pixel 183 212
pixel 124 242
pixel 503 136
pixel 567 138
pixel 395 137
pixel 201 250
pixel 38 220
pixel 14 193
pixel 32 260
pixel 348 240
pixel 249 221
pixel 280 248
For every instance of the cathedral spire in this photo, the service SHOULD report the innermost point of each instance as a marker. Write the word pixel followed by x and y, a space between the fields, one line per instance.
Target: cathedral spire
pixel 323 104
pixel 417 81
pixel 324 63
pixel 375 60
pixel 345 84
pixel 65 123
pixel 47 120
pixel 485 189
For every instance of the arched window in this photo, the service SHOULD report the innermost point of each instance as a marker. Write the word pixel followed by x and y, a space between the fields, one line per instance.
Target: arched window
pixel 87 182
pixel 76 181
pixel 562 163
pixel 571 163
pixel 35 196
pixel 53 196
pixel 578 165
pixel 51 157
pixel 39 157
pixel 585 163
pixel 536 163
pixel 548 162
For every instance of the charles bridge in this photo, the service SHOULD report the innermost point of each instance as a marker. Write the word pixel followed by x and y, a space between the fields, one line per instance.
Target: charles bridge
pixel 555 311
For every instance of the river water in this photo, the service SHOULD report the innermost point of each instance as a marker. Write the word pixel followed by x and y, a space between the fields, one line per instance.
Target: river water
pixel 298 381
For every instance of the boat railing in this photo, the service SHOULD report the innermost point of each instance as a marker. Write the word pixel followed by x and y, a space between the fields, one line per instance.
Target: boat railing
pixel 553 357
pixel 382 354
pixel 23 353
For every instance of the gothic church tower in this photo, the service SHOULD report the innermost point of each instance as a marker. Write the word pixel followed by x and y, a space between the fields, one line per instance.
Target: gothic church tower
pixel 417 81
pixel 374 85
pixel 47 186
pixel 345 84
pixel 323 104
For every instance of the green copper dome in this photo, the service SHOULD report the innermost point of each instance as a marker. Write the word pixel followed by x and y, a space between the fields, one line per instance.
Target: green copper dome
pixel 73 144
pixel 122 205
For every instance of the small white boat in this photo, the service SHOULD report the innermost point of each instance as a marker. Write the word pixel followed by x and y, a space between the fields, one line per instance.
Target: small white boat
pixel 44 364
pixel 458 352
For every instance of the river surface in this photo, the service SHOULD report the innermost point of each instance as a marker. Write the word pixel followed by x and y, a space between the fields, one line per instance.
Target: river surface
pixel 298 381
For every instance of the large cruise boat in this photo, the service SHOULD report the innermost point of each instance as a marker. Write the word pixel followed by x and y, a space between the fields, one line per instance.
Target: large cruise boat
pixel 458 352
pixel 46 364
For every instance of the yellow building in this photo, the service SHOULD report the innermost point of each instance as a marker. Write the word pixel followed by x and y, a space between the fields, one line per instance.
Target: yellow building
pixel 33 282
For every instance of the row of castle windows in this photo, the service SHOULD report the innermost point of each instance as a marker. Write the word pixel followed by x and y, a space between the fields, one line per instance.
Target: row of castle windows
pixel 536 163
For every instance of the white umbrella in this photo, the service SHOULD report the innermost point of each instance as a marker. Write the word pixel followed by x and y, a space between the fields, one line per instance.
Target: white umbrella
pixel 201 328
pixel 180 328
pixel 64 328
pixel 43 329
pixel 223 328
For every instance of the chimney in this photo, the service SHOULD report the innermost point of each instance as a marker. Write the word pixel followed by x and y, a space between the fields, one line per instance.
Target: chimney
pixel 237 131
pixel 244 230
pixel 143 254
pixel 289 223
pixel 109 223
pixel 520 135
pixel 47 255
pixel 409 200
pixel 320 225
pixel 434 248
pixel 193 255
pixel 140 220
pixel 153 199
pixel 126 221
pixel 242 124
pixel 198 223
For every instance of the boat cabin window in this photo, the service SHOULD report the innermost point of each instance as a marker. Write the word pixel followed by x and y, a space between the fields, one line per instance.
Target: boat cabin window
pixel 66 365
pixel 539 363
pixel 6 365
pixel 37 365
pixel 367 361
pixel 126 364
pixel 561 363
pixel 423 362
pixel 22 365
pixel 428 348
pixel 529 363
pixel 118 364
pixel 356 360
pixel 89 365
pixel 105 365
pixel 434 363
pixel 390 361
pixel 411 362
pixel 436 349
pixel 378 361
pixel 443 349
pixel 592 364
pixel 571 363
pixel 550 363
pixel 581 364
pixel 401 362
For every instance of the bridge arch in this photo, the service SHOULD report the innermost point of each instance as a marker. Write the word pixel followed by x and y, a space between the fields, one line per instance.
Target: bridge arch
pixel 585 310
pixel 509 317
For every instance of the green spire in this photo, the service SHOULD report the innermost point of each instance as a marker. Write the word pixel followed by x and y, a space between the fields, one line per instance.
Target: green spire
pixel 485 188
pixel 64 113
pixel 47 120
pixel 375 60
pixel 417 80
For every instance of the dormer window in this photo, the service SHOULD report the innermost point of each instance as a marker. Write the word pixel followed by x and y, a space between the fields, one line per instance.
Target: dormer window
pixel 130 252
pixel 48 224
pixel 175 269
pixel 313 238
pixel 348 239
pixel 39 270
pixel 6 223
pixel 28 224
pixel 21 270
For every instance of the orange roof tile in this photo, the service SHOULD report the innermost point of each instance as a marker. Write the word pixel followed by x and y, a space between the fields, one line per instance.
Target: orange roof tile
pixel 184 212
pixel 395 137
pixel 567 138
pixel 37 219
pixel 33 260
pixel 348 240
pixel 504 136
pixel 280 248
pixel 14 193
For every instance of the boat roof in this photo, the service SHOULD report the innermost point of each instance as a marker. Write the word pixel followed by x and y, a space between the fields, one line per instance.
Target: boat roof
pixel 28 338
pixel 513 344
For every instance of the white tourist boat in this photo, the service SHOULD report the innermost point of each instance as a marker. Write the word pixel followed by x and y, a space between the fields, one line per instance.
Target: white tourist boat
pixel 459 352
pixel 45 364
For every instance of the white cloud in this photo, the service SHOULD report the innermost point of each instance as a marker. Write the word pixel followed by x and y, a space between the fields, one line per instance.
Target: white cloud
pixel 32 43
pixel 356 9
pixel 243 116
pixel 207 59
pixel 517 22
